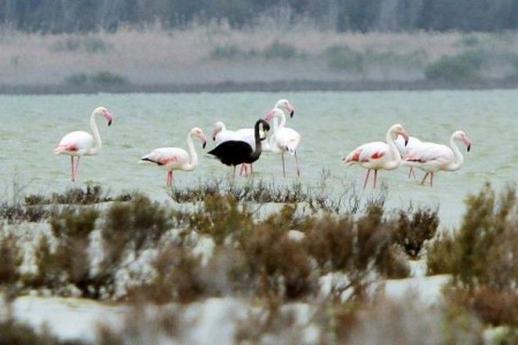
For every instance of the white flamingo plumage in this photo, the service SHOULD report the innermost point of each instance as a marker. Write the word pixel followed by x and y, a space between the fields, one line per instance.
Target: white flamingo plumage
pixel 412 145
pixel 432 157
pixel 283 139
pixel 81 143
pixel 175 158
pixel 378 155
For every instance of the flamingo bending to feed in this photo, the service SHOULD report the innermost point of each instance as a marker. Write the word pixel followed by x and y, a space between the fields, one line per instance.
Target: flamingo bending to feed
pixel 413 144
pixel 81 143
pixel 235 152
pixel 175 158
pixel 432 157
pixel 283 139
pixel 378 155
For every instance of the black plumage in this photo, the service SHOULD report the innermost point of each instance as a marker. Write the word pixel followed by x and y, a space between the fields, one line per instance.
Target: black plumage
pixel 235 152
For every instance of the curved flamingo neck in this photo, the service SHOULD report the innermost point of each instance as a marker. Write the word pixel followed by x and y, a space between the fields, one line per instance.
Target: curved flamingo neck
pixel 279 121
pixel 393 151
pixel 258 148
pixel 458 157
pixel 192 153
pixel 95 134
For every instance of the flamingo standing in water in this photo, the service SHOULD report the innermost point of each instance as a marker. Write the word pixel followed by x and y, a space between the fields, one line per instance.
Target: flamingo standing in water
pixel 283 139
pixel 431 157
pixel 81 143
pixel 412 145
pixel 174 158
pixel 236 152
pixel 378 155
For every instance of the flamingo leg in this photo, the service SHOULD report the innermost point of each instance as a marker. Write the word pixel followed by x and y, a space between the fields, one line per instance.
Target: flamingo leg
pixel 233 172
pixel 297 164
pixel 251 169
pixel 431 179
pixel 411 172
pixel 424 178
pixel 375 177
pixel 76 169
pixel 283 164
pixel 366 178
pixel 169 178
pixel 248 169
pixel 241 168
pixel 73 177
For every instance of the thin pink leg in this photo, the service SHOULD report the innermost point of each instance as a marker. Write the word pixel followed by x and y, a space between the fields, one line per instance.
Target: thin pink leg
pixel 297 164
pixel 251 169
pixel 283 165
pixel 76 172
pixel 72 170
pixel 169 179
pixel 424 178
pixel 431 179
pixel 366 178
pixel 375 177
pixel 411 172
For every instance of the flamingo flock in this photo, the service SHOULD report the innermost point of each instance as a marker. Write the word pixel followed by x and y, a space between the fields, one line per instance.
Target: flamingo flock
pixel 244 147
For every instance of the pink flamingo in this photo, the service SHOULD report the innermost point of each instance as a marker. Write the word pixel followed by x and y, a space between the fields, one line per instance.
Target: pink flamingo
pixel 432 157
pixel 378 155
pixel 174 158
pixel 81 143
pixel 283 139
pixel 405 150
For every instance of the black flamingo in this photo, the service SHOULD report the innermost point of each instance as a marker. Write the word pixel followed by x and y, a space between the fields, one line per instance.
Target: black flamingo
pixel 235 152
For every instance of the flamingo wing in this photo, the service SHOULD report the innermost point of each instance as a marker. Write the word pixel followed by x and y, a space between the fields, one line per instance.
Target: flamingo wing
pixel 75 143
pixel 287 139
pixel 412 145
pixel 366 153
pixel 225 135
pixel 431 153
pixel 232 152
pixel 167 156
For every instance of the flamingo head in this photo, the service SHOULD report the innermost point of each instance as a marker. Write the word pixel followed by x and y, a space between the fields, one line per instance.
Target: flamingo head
pixel 264 127
pixel 198 133
pixel 285 106
pixel 105 113
pixel 218 127
pixel 397 129
pixel 460 135
pixel 275 112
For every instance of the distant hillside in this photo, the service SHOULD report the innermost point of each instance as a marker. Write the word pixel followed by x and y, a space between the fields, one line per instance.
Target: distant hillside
pixel 339 15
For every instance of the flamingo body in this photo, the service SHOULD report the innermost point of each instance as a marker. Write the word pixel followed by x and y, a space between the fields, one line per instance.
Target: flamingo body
pixel 80 143
pixel 175 158
pixel 378 155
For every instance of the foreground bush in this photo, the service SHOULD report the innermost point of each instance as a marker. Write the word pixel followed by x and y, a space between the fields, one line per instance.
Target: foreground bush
pixel 481 256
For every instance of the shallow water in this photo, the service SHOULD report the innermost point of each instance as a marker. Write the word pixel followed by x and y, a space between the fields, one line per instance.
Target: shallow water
pixel 331 123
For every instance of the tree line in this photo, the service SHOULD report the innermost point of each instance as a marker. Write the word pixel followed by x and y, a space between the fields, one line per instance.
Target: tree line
pixel 57 16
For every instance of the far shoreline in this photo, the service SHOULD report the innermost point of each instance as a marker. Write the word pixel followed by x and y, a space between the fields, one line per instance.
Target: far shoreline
pixel 258 86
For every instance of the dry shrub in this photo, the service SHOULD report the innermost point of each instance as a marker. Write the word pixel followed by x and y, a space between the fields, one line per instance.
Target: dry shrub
pixel 15 333
pixel 330 241
pixel 220 216
pixel 69 263
pixel 440 254
pixel 491 306
pixel 17 212
pixel 413 229
pixel 93 194
pixel 10 259
pixel 132 226
pixel 481 256
pixel 375 248
pixel 277 265
pixel 179 278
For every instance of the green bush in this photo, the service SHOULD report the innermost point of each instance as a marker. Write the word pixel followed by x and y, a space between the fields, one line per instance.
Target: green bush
pixel 279 50
pixel 463 67
pixel 343 58
pixel 227 51
pixel 101 78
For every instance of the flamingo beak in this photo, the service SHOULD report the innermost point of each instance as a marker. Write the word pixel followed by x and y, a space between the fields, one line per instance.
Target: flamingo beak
pixel 467 142
pixel 204 141
pixel 291 108
pixel 405 136
pixel 108 117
